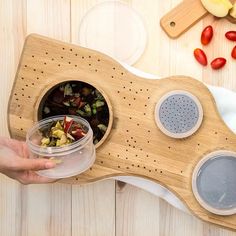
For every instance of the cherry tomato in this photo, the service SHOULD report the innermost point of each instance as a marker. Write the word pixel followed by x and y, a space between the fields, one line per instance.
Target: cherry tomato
pixel 231 35
pixel 207 35
pixel 200 56
pixel 233 53
pixel 218 63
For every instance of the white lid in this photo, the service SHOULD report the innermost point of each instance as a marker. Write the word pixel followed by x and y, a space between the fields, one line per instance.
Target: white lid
pixel 116 29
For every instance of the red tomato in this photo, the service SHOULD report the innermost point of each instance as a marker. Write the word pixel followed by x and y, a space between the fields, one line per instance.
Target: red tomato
pixel 218 63
pixel 207 35
pixel 200 56
pixel 233 53
pixel 231 35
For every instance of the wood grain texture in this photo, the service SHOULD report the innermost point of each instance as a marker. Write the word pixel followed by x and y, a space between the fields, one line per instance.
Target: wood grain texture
pixel 52 18
pixel 182 17
pixel 220 47
pixel 12 32
pixel 178 223
pixel 129 204
pixel 165 57
pixel 10 49
pixel 94 209
pixel 171 218
pixel 46 209
pixel 49 18
pixel 162 56
pixel 127 151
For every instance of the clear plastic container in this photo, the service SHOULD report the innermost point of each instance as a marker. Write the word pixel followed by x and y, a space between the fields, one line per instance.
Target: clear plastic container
pixel 71 159
pixel 116 29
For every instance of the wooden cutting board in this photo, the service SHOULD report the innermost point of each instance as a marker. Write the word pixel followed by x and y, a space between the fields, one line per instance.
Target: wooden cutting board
pixel 134 145
pixel 184 16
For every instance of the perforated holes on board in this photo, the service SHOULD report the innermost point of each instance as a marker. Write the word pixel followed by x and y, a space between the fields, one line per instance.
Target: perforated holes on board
pixel 178 114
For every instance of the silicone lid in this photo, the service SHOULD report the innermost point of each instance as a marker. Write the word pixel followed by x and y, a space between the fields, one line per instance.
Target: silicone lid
pixel 178 114
pixel 116 29
pixel 214 182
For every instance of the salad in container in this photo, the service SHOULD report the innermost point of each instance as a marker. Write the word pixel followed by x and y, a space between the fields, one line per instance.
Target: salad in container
pixel 66 140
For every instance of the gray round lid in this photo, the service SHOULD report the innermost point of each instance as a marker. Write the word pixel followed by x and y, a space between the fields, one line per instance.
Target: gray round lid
pixel 214 182
pixel 178 114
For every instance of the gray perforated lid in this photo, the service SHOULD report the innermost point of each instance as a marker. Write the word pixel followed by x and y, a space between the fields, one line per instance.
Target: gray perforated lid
pixel 214 182
pixel 178 114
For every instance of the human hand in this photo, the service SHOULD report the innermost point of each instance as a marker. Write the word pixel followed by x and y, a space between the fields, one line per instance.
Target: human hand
pixel 15 162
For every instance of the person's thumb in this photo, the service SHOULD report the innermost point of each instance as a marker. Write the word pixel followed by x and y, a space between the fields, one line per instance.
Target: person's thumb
pixel 33 164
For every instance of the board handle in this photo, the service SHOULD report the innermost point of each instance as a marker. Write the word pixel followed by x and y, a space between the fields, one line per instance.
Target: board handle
pixel 182 17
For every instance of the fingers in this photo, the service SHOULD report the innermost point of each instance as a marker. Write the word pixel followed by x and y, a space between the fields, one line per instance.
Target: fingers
pixel 28 177
pixel 33 178
pixel 32 164
pixel 42 180
pixel 15 145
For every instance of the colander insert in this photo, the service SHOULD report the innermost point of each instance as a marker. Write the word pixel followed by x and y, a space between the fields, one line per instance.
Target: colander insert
pixel 178 114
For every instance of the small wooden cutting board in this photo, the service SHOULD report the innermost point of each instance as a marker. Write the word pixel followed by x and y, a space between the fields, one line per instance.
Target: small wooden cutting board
pixel 184 16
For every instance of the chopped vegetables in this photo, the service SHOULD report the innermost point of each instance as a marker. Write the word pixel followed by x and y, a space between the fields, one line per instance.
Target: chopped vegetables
pixel 67 90
pixel 55 160
pixel 81 99
pixel 61 133
pixel 46 110
pixel 102 127
pixel 45 141
pixel 68 121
